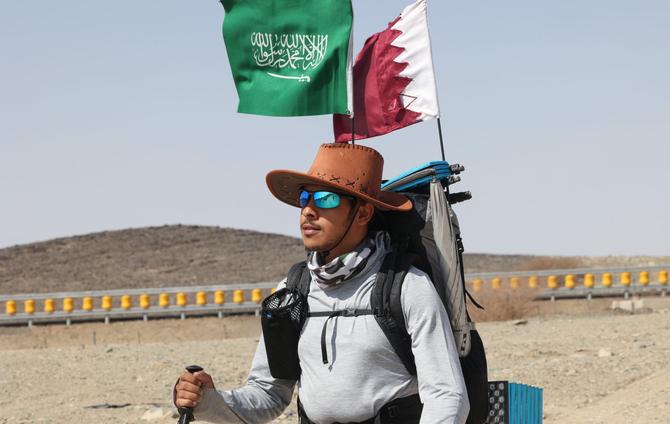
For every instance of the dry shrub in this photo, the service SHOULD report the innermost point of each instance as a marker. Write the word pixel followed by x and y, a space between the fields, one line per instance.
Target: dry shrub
pixel 503 304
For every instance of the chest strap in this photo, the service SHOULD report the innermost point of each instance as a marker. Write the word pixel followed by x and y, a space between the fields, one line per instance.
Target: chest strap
pixel 333 314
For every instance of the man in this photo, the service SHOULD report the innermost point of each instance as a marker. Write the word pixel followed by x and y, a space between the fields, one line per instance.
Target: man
pixel 349 370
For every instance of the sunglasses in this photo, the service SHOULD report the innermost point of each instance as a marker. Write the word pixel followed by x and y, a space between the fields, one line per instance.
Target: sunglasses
pixel 322 199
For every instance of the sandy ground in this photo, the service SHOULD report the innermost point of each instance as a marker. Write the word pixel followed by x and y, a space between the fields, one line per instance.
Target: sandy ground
pixel 595 366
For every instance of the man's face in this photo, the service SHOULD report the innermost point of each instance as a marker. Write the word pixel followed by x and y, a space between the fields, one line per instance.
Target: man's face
pixel 321 228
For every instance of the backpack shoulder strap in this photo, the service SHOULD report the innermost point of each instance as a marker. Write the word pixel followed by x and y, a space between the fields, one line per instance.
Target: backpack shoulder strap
pixel 386 304
pixel 298 278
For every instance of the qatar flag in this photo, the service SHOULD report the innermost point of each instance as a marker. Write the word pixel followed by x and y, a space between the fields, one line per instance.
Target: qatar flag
pixel 394 81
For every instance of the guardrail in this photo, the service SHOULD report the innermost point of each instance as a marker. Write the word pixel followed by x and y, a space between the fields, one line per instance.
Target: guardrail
pixel 578 282
pixel 133 303
pixel 246 298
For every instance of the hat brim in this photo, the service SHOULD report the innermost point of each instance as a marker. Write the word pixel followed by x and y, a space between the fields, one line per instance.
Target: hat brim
pixel 285 185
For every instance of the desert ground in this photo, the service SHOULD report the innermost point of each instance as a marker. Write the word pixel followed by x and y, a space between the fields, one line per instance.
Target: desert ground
pixel 594 364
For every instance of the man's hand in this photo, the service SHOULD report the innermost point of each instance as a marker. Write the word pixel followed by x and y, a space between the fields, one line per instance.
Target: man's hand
pixel 188 390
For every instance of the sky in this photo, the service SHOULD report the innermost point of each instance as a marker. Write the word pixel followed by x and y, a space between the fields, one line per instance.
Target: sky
pixel 123 114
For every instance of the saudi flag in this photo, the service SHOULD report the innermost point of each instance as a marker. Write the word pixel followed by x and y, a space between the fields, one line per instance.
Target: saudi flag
pixel 290 57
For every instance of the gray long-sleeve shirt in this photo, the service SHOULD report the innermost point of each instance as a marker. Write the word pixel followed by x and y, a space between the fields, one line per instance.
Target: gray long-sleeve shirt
pixel 364 372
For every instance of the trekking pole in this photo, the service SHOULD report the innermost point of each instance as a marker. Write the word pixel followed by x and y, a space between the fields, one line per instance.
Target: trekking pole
pixel 186 414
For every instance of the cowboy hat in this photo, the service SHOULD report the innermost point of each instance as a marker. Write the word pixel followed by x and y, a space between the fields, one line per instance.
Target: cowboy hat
pixel 346 168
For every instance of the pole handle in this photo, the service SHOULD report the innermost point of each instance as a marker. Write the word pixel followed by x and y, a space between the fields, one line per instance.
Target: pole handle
pixel 186 414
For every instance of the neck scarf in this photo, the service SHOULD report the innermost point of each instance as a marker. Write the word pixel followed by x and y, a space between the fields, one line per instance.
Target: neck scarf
pixel 345 266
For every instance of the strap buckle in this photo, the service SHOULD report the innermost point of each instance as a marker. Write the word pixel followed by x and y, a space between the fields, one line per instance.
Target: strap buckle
pixel 392 411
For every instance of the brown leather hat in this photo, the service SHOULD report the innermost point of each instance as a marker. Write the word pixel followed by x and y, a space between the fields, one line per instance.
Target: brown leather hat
pixel 346 168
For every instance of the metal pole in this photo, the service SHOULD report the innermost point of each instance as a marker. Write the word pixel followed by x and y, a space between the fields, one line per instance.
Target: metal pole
pixel 439 131
pixel 353 107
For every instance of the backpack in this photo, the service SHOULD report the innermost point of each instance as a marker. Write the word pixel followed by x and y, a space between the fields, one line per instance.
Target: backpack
pixel 428 237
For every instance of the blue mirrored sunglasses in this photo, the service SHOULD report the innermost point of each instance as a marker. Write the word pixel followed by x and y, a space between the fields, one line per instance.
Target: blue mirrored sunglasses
pixel 322 199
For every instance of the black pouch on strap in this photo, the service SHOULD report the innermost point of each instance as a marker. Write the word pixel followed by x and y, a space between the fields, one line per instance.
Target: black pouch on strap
pixel 282 315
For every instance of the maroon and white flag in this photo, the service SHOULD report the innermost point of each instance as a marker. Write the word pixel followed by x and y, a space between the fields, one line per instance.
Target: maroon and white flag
pixel 394 82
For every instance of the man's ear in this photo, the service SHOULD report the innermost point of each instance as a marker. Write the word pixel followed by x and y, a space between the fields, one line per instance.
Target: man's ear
pixel 365 213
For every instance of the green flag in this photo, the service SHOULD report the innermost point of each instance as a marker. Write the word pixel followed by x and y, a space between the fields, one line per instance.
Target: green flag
pixel 290 57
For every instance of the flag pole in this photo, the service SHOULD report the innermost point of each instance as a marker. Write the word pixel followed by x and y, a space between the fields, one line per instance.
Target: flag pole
pixel 353 117
pixel 439 131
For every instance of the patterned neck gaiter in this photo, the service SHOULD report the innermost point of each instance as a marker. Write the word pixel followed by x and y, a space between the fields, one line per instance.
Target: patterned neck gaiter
pixel 344 266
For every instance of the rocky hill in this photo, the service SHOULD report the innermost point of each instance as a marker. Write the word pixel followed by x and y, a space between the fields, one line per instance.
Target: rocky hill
pixel 180 255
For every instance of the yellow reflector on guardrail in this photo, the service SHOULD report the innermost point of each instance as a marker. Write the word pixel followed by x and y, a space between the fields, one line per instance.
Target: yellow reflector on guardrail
pixel 238 296
pixel 625 278
pixel 29 306
pixel 219 297
pixel 181 299
pixel 514 283
pixel 106 303
pixel 644 278
pixel 496 283
pixel 589 280
pixel 10 307
pixel 570 281
pixel 607 280
pixel 257 295
pixel 87 304
pixel 552 282
pixel 68 305
pixel 532 282
pixel 49 306
pixel 477 284
pixel 164 300
pixel 126 302
pixel 145 301
pixel 663 277
pixel 201 298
